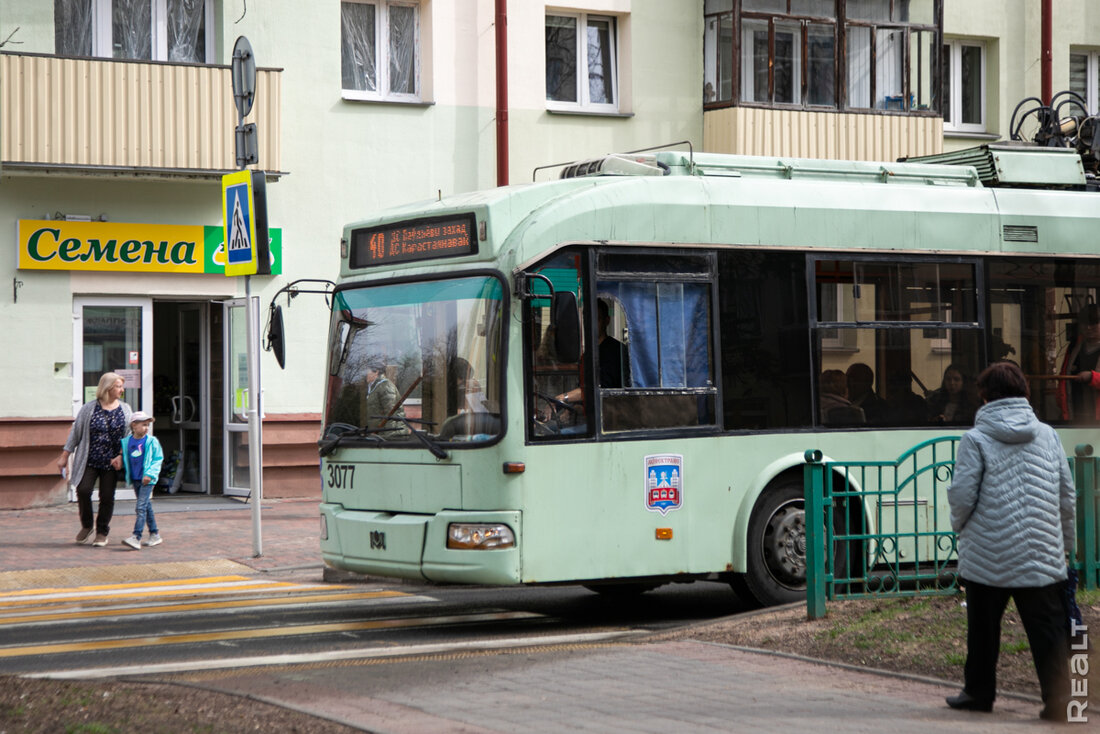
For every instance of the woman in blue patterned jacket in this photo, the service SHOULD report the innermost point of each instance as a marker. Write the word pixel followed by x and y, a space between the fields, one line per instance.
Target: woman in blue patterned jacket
pixel 1013 507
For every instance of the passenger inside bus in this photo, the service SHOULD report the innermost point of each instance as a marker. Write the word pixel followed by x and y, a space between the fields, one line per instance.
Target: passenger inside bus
pixel 955 401
pixel 1079 397
pixel 380 401
pixel 905 407
pixel 836 409
pixel 861 393
pixel 614 360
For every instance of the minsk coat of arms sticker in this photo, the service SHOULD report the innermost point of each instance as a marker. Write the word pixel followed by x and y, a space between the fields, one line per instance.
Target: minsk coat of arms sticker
pixel 664 482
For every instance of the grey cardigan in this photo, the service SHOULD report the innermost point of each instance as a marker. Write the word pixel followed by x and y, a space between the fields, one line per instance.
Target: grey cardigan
pixel 1012 498
pixel 80 441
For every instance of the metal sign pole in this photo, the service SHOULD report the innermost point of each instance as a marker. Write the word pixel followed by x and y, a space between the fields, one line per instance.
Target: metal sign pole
pixel 243 72
pixel 255 429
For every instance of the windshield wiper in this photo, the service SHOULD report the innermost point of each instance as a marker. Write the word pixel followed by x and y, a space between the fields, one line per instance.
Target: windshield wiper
pixel 437 451
pixel 327 445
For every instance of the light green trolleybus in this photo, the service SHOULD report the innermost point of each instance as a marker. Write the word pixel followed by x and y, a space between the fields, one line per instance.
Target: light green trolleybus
pixel 611 378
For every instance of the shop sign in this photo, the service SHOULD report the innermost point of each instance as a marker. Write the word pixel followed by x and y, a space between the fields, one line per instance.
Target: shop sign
pixel 128 248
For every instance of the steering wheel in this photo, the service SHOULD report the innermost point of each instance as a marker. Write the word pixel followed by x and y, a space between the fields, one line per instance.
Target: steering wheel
pixel 558 404
pixel 336 428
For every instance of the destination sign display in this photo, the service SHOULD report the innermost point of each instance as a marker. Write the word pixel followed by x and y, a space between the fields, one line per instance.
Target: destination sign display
pixel 421 239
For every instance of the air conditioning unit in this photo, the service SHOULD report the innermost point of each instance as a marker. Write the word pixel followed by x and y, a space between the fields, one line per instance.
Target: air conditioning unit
pixel 616 164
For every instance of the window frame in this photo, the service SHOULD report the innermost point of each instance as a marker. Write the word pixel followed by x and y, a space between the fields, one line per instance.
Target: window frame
pixel 1092 77
pixel 707 277
pixel 842 25
pixel 951 103
pixel 584 102
pixel 103 32
pixel 382 54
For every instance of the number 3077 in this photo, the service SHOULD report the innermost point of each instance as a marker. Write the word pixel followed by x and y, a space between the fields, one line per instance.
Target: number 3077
pixel 340 476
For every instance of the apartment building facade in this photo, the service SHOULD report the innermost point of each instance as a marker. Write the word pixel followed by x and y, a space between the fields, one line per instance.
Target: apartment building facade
pixel 116 125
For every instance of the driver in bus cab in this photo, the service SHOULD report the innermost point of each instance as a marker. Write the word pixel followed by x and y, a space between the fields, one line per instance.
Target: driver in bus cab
pixel 613 355
pixel 380 400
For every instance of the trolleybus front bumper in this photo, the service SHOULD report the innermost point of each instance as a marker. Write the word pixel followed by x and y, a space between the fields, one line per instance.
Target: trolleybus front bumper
pixel 414 546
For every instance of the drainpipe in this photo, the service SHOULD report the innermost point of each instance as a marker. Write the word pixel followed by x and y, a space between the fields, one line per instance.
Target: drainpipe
pixel 1046 61
pixel 502 91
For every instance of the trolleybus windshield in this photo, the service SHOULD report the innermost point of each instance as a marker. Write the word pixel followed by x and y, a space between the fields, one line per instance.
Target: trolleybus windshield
pixel 416 363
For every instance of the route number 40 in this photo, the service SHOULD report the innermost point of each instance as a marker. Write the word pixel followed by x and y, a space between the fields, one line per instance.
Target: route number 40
pixel 340 476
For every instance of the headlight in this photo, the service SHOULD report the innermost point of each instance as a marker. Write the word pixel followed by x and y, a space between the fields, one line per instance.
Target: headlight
pixel 324 527
pixel 468 536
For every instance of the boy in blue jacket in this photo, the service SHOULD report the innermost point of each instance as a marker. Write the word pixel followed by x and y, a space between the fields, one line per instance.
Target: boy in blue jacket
pixel 142 457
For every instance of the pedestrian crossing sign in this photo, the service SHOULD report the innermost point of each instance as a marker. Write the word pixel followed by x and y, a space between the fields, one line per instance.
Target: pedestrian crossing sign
pixel 244 213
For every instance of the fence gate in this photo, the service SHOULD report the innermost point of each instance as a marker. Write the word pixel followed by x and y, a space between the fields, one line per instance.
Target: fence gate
pixel 883 528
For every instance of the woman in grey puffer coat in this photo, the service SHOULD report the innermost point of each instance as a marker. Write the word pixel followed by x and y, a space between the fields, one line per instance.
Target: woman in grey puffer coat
pixel 1013 507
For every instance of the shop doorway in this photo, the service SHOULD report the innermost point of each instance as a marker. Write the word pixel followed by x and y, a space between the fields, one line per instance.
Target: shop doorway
pixel 112 335
pixel 182 394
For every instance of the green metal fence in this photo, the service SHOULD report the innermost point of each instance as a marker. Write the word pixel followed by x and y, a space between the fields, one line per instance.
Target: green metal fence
pixel 883 528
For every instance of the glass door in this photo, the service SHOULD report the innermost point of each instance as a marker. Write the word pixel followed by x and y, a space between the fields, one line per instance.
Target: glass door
pixel 113 335
pixel 190 406
pixel 235 400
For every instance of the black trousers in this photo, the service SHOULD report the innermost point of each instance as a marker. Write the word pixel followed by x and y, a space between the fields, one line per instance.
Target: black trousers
pixel 1046 621
pixel 108 480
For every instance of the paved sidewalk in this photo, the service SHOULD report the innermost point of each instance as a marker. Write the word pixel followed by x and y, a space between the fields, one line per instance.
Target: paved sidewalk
pixel 37 545
pixel 668 686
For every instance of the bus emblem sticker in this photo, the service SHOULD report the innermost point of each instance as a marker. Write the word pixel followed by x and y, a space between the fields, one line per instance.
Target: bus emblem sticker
pixel 664 482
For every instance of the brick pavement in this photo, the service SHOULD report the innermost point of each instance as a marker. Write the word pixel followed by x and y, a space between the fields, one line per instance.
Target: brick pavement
pixel 37 544
pixel 677 686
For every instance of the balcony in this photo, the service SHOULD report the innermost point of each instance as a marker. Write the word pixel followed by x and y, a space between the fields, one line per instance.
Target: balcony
pixel 86 116
pixel 827 134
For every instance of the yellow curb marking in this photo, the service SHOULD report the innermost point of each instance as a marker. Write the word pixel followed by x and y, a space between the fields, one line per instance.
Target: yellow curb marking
pixel 33 615
pixel 309 629
pixel 152 588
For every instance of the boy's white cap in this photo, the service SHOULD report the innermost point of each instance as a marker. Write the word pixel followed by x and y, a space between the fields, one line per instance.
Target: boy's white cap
pixel 140 417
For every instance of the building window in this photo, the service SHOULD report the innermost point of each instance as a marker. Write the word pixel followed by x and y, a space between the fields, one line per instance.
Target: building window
pixel 876 55
pixel 964 86
pixel 154 30
pixel 380 50
pixel 1084 78
pixel 581 62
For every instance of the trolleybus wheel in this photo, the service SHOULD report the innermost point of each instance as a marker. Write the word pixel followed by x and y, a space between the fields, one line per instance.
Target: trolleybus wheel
pixel 776 553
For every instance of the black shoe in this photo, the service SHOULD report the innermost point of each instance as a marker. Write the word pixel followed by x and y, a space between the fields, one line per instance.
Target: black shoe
pixel 1054 713
pixel 965 702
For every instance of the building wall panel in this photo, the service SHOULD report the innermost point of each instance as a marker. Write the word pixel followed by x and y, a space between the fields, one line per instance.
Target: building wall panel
pixel 90 113
pixel 801 134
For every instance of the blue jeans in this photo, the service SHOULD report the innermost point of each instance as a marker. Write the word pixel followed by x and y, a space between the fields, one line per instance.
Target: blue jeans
pixel 144 509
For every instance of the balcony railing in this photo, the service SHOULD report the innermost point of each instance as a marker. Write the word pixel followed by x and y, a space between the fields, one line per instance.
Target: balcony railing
pixel 144 118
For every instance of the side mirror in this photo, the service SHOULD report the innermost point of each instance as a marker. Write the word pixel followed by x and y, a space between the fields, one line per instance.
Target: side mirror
pixel 275 342
pixel 566 320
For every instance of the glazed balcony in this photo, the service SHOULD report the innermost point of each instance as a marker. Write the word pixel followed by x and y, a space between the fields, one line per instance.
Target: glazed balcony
pixel 105 116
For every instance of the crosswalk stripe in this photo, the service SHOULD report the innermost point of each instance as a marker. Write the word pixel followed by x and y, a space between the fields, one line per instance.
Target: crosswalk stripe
pixel 266 632
pixel 51 614
pixel 219 585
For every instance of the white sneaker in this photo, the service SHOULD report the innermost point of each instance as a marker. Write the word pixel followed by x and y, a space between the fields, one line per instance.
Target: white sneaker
pixel 154 539
pixel 133 541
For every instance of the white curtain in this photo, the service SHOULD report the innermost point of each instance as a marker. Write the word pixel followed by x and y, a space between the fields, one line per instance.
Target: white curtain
pixel 402 49
pixel 358 50
pixel 186 30
pixel 132 29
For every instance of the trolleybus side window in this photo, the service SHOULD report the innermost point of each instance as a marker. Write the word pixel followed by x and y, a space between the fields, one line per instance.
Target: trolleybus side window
pixel 766 370
pixel 896 343
pixel 658 306
pixel 1040 314
pixel 551 378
